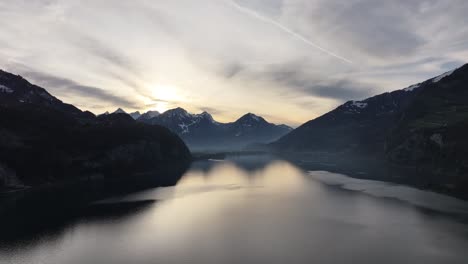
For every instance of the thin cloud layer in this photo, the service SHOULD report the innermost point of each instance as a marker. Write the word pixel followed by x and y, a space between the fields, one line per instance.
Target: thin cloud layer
pixel 274 57
pixel 67 87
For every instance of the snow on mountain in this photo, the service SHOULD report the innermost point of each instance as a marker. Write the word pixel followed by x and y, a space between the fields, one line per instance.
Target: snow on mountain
pixel 4 89
pixel 433 80
pixel 440 77
pixel 202 130
pixel 182 121
pixel 412 87
pixel 365 124
pixel 15 89
pixel 359 104
pixel 354 107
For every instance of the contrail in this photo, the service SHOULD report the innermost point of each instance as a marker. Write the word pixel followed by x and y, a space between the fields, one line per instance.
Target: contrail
pixel 283 28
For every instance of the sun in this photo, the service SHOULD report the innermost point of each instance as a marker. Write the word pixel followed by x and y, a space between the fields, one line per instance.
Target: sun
pixel 164 97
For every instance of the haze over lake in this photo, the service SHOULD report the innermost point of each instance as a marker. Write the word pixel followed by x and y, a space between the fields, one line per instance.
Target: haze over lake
pixel 256 209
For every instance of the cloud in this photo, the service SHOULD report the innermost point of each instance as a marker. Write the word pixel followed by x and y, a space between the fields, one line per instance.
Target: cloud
pixel 114 63
pixel 231 60
pixel 381 29
pixel 103 51
pixel 338 89
pixel 61 86
pixel 231 70
pixel 295 77
pixel 211 110
pixel 342 90
pixel 284 28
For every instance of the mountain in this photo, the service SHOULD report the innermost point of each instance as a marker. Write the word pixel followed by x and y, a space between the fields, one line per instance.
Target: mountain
pixel 46 141
pixel 134 115
pixel 364 126
pixel 432 130
pixel 201 131
pixel 181 122
pixel 354 126
pixel 15 90
pixel 119 111
pixel 148 115
pixel 423 127
pixel 250 127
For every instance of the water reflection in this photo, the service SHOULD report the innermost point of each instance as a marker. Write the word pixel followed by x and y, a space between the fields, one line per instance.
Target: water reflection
pixel 253 210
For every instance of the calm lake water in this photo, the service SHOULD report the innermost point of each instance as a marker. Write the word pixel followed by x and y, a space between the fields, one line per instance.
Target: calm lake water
pixel 260 210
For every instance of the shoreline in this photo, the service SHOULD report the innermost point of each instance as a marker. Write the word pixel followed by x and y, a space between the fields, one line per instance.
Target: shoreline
pixel 414 196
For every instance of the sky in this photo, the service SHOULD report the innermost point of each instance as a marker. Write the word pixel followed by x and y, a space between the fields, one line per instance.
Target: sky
pixel 287 60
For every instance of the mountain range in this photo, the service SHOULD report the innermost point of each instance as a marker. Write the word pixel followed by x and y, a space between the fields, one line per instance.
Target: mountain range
pixel 423 127
pixel 202 132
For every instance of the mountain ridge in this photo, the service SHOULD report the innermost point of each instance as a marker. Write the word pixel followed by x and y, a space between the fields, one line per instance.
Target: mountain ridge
pixel 416 135
pixel 385 105
pixel 58 141
pixel 202 131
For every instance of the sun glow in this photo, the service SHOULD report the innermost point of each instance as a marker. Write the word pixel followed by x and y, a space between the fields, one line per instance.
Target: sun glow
pixel 164 97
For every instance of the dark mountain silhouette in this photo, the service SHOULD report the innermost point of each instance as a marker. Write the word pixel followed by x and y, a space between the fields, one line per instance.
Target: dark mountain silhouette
pixel 202 132
pixel 423 127
pixel 45 141
pixel 134 115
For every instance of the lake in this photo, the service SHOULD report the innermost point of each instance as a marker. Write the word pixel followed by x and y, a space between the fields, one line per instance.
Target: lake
pixel 258 209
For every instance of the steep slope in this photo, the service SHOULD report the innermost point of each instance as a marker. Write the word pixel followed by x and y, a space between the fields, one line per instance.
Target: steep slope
pixel 43 140
pixel 15 90
pixel 360 126
pixel 432 132
pixel 415 135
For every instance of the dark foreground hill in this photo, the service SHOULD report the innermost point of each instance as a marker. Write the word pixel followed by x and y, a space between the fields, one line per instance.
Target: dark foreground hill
pixel 68 154
pixel 422 128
